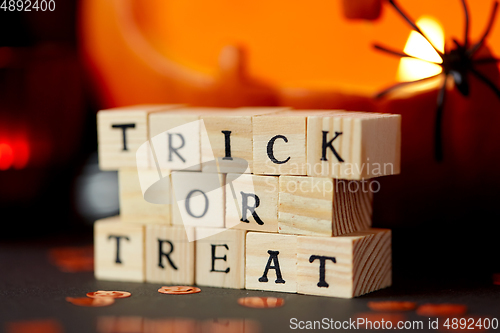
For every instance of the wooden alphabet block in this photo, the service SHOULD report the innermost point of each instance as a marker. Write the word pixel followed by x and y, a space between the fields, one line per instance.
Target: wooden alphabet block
pixel 346 266
pixel 353 145
pixel 120 132
pixel 279 142
pixel 175 138
pixel 134 207
pixel 170 256
pixel 220 258
pixel 252 202
pixel 271 262
pixel 318 206
pixel 199 199
pixel 229 139
pixel 119 250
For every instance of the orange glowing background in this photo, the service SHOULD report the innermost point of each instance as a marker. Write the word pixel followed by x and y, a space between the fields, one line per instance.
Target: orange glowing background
pixel 289 44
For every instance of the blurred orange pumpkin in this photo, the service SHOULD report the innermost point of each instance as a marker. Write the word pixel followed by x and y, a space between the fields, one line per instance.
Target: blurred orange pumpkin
pixel 306 55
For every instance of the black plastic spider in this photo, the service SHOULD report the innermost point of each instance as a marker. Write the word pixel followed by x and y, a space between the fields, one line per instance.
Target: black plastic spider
pixel 458 63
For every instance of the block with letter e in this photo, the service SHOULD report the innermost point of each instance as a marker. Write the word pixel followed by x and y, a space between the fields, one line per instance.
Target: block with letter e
pixel 169 255
pixel 119 250
pixel 220 258
pixel 271 262
pixel 345 266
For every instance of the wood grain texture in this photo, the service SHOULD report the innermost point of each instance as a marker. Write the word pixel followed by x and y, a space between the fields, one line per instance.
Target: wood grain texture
pixel 119 263
pixel 319 206
pixel 243 192
pixel 283 251
pixel 133 206
pixel 288 128
pixel 362 263
pixel 237 123
pixel 199 199
pixel 175 137
pixel 368 145
pixel 305 205
pixel 112 155
pixel 220 258
pixel 170 257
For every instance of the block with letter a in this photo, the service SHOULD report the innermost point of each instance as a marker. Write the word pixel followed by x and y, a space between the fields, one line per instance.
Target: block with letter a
pixel 271 262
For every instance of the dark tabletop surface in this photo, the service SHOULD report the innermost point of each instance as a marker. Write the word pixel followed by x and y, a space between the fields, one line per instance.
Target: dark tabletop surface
pixel 32 288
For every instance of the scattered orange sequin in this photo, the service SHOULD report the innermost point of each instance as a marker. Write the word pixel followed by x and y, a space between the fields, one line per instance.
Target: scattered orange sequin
pixel 496 279
pixel 261 302
pixel 442 310
pixel 34 326
pixel 373 317
pixel 179 290
pixel 106 293
pixel 91 302
pixel 392 306
pixel 73 259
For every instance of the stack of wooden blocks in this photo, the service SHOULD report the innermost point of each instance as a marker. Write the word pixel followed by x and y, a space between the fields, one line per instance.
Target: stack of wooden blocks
pixel 261 198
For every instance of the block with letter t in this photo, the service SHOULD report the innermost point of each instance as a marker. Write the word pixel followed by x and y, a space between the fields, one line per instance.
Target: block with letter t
pixel 220 258
pixel 121 131
pixel 119 250
pixel 344 266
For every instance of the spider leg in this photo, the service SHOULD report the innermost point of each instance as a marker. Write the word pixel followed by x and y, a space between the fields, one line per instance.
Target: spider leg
pixel 467 20
pixel 399 54
pixel 402 84
pixel 438 135
pixel 486 81
pixel 476 46
pixel 413 25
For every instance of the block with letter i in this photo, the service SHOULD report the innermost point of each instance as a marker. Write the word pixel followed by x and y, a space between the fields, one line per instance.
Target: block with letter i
pixel 120 132
pixel 345 266
pixel 170 256
pixel 220 258
pixel 271 262
pixel 119 250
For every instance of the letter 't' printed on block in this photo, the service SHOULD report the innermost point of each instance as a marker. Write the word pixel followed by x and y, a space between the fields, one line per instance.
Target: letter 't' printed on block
pixel 252 202
pixel 220 258
pixel 271 262
pixel 199 199
pixel 119 250
pixel 346 266
pixel 120 132
pixel 170 255
pixel 353 145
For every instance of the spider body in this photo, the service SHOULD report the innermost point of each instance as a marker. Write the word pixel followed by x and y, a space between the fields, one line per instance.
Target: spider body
pixel 459 63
